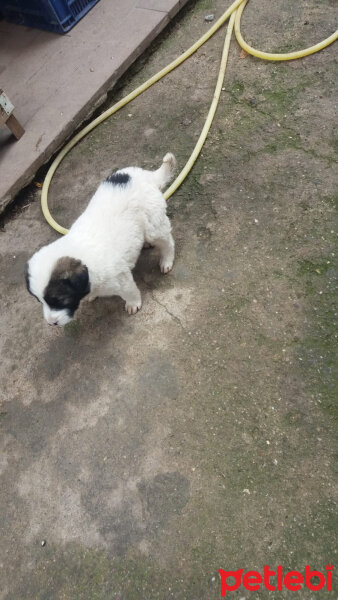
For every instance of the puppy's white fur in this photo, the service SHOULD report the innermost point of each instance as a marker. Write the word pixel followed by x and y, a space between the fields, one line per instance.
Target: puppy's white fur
pixel 108 237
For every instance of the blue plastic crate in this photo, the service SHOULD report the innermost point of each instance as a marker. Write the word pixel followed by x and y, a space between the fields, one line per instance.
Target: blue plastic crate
pixel 54 15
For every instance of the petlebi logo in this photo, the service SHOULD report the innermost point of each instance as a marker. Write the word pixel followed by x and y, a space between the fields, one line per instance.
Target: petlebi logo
pixel 277 579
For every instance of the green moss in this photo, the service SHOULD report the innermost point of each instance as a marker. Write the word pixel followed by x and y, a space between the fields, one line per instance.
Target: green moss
pixel 318 348
pixel 205 4
pixel 284 90
pixel 237 88
pixel 331 200
pixel 72 329
pixel 309 267
pixel 281 99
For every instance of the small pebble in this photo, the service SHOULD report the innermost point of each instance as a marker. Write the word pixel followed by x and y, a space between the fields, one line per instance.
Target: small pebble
pixel 43 543
pixel 209 18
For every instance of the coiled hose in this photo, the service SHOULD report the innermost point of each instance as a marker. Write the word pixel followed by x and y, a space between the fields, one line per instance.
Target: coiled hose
pixel 235 13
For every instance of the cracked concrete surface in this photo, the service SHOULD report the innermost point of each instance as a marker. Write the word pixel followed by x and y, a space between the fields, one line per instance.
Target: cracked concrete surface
pixel 149 451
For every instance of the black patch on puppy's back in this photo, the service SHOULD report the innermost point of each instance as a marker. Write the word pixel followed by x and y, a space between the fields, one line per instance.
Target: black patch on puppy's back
pixel 68 284
pixel 118 178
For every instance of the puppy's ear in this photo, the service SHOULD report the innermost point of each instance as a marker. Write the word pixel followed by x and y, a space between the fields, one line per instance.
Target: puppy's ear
pixel 79 280
pixel 26 272
pixel 27 280
pixel 69 276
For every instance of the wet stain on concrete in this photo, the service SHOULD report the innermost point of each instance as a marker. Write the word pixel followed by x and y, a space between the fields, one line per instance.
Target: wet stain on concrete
pixel 158 379
pixel 164 496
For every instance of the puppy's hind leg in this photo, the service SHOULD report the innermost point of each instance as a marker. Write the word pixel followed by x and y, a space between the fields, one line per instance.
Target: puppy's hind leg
pixel 166 246
pixel 164 174
pixel 130 293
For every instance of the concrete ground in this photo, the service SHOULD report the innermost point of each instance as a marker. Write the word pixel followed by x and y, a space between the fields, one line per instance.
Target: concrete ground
pixel 55 81
pixel 149 451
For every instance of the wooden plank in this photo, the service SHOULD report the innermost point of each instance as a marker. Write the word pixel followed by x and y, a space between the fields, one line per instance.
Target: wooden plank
pixel 3 117
pixel 15 127
pixel 56 81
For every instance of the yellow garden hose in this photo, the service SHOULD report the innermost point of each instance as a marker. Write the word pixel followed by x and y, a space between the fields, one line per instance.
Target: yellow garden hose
pixel 270 56
pixel 234 12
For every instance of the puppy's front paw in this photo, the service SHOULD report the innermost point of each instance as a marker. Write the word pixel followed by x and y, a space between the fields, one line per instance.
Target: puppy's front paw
pixel 166 266
pixel 132 309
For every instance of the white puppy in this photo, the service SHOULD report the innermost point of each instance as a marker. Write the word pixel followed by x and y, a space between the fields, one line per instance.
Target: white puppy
pixel 100 250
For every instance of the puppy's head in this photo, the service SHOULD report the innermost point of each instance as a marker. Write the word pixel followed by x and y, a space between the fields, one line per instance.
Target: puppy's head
pixel 61 294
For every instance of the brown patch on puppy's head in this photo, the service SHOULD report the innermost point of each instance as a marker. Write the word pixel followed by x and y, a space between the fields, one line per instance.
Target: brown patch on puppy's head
pixel 67 267
pixel 68 284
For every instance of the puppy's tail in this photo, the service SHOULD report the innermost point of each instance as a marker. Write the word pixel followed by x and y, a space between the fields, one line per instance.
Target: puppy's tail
pixel 166 171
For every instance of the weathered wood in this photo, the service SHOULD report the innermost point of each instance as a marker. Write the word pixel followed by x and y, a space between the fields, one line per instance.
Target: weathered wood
pixel 60 80
pixel 7 117
pixel 15 127
pixel 3 117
